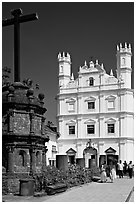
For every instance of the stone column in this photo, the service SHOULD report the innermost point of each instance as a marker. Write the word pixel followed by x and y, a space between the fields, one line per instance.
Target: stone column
pixel 42 125
pixel 43 159
pixel 32 161
pixel 10 167
pixel 11 121
pixel 31 122
pixel 45 154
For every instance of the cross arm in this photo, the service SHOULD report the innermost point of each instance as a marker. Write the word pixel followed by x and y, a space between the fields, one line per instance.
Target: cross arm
pixel 21 19
pixel 29 17
pixel 7 22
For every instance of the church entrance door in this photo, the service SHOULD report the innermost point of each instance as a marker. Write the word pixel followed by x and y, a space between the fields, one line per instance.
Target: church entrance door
pixel 112 159
pixel 90 155
pixel 71 159
pixel 71 156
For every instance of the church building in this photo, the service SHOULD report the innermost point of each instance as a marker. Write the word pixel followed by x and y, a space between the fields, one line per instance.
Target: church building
pixel 95 112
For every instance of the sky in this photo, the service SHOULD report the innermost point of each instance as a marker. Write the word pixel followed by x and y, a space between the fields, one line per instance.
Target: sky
pixel 86 31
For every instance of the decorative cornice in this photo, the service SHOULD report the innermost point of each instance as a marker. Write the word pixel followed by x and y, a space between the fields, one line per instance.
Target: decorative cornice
pixel 91 98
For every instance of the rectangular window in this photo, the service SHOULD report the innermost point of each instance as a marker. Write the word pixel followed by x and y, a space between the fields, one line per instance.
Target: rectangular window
pixel 92 156
pixel 110 104
pixel 72 130
pixel 111 128
pixel 90 129
pixel 91 81
pixel 91 105
pixel 71 107
pixel 53 148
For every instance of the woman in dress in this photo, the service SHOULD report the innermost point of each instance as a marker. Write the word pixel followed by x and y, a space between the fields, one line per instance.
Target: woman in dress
pixel 103 174
pixel 113 173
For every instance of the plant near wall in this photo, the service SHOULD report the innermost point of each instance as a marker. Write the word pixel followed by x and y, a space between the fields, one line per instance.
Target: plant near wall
pixel 74 176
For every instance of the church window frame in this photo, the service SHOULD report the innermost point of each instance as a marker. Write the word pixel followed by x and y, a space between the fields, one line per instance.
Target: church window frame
pixel 71 104
pixel 111 102
pixel 90 129
pixel 123 61
pixel 111 124
pixel 91 105
pixel 61 68
pixel 71 129
pixel 71 107
pixel 91 81
pixel 111 128
pixel 90 126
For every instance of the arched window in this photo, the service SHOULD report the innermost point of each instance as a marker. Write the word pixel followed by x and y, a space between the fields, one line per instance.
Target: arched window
pixel 22 158
pixel 61 69
pixel 38 158
pixel 91 81
pixel 123 61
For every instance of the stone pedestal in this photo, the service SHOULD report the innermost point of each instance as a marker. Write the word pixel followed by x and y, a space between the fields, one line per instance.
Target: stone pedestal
pixel 26 187
pixel 62 162
pixel 32 161
pixel 92 163
pixel 10 168
pixel 80 162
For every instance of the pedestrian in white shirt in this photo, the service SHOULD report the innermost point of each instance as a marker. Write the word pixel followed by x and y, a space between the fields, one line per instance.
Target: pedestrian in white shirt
pixel 120 169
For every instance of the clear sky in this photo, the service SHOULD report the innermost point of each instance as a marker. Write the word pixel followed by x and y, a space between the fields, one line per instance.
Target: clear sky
pixel 85 30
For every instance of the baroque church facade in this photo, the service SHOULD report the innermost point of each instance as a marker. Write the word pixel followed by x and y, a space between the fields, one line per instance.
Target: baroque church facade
pixel 96 110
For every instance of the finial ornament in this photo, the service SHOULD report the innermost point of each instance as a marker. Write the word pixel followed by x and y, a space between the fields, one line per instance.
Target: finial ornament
pixel 102 66
pixel 96 62
pixel 125 45
pixel 117 48
pixel 120 46
pixel 72 77
pixel 59 55
pixel 111 73
pixel 129 47
pixel 68 55
pixel 85 63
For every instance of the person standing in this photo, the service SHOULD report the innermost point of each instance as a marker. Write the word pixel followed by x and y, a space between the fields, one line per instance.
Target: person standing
pixel 130 169
pixel 113 173
pixel 103 174
pixel 125 167
pixel 120 169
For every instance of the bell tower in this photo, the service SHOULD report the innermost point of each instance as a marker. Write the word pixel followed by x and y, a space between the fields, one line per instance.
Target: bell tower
pixel 124 69
pixel 64 69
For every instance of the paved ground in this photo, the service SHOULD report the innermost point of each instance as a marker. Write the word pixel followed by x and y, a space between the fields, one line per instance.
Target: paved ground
pixel 118 191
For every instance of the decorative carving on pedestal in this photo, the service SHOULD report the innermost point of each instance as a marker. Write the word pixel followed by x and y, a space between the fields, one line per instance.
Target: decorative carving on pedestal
pixel 32 115
pixel 10 167
pixel 11 120
pixel 42 125
pixel 32 153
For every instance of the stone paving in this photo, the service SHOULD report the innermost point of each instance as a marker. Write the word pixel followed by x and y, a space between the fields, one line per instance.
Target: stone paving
pixel 92 192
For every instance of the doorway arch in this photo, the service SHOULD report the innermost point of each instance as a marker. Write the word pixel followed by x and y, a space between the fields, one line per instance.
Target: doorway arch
pixel 90 156
pixel 71 156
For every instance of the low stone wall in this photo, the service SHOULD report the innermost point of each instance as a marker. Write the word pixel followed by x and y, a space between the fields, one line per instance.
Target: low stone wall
pixel 10 183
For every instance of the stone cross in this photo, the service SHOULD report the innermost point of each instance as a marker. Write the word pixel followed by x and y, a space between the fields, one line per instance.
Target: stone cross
pixel 16 20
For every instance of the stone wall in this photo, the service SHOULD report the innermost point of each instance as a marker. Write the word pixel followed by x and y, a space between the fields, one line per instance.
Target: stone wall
pixel 10 183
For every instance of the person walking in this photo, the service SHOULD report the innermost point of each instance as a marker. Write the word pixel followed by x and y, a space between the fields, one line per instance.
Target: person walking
pixel 120 169
pixel 130 169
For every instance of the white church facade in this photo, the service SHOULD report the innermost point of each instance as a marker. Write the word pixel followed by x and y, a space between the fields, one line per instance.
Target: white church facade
pixel 96 110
